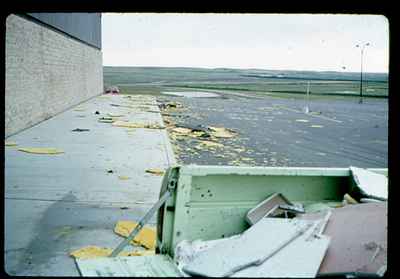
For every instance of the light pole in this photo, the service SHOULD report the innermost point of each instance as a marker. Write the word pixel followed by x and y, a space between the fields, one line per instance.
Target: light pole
pixel 361 72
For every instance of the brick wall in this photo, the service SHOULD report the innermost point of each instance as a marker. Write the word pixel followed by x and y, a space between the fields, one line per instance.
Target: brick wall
pixel 46 73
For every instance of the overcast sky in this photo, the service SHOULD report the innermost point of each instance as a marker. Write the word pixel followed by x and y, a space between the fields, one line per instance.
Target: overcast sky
pixel 265 41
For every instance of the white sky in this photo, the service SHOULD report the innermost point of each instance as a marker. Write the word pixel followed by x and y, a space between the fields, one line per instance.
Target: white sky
pixel 322 42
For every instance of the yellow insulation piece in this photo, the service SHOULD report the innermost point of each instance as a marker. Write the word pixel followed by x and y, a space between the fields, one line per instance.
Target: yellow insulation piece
pixel 90 252
pixel 146 237
pixel 41 150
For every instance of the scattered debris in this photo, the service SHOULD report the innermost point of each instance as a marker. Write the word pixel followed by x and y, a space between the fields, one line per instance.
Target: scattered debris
pixel 112 90
pixel 41 150
pixel 182 131
pixel 349 199
pixel 209 144
pixel 302 120
pixel 106 120
pixel 316 126
pixel 170 105
pixel 127 124
pixel 123 177
pixel 10 143
pixel 221 132
pixel 146 237
pixel 80 130
pixel 155 171
pixel 110 171
pixel 90 252
pixel 124 207
pixel 97 112
pixel 115 114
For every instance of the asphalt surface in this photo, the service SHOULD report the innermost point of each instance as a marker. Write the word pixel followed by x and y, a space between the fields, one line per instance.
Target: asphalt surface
pixel 338 132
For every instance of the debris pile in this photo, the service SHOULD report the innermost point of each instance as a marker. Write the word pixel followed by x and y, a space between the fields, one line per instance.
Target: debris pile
pixel 299 239
pixel 192 139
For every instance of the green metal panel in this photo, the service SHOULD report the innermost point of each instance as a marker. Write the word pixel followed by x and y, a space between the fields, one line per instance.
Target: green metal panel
pixel 211 201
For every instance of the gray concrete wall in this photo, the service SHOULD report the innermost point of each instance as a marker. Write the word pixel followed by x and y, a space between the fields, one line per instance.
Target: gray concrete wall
pixel 47 72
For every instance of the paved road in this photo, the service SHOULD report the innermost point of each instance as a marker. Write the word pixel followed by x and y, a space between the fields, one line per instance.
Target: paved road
pixel 338 132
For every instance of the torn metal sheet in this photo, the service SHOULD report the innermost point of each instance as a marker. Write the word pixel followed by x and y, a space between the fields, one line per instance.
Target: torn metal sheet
pixel 253 247
pixel 147 266
pixel 146 237
pixel 299 259
pixel 358 239
pixel 187 251
pixel 371 184
pixel 266 208
pixel 41 150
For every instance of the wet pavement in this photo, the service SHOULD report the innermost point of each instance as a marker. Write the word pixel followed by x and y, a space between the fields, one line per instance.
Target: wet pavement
pixel 338 132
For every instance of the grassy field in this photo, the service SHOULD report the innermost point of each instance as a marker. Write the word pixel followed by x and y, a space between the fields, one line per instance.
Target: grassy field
pixel 153 80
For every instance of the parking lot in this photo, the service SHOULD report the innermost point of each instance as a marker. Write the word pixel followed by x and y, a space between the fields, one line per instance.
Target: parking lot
pixel 337 132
